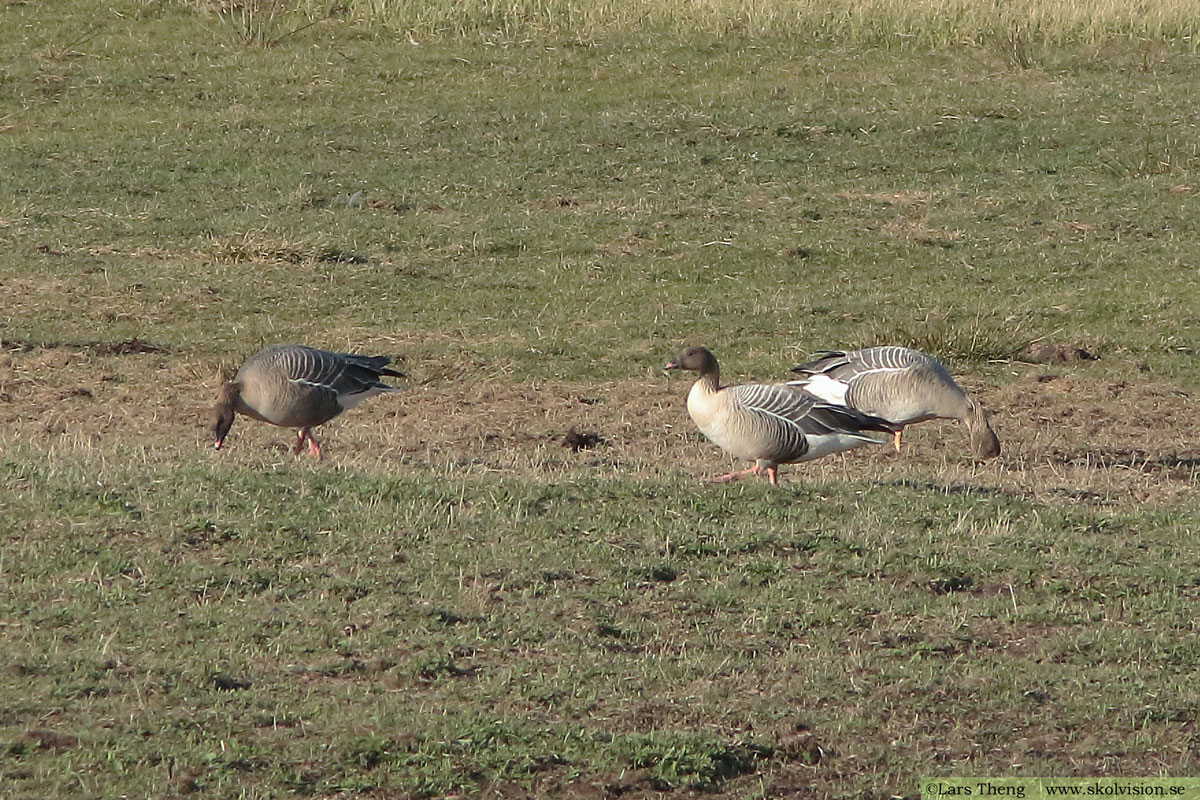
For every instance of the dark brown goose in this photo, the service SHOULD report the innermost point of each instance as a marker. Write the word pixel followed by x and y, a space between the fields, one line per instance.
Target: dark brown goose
pixel 294 386
pixel 900 385
pixel 770 424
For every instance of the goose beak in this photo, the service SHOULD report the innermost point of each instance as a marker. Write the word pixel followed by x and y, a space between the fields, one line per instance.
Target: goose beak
pixel 217 444
pixel 671 365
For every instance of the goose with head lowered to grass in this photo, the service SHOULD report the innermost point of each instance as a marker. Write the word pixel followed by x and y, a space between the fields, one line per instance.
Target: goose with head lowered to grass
pixel 769 424
pixel 294 386
pixel 900 385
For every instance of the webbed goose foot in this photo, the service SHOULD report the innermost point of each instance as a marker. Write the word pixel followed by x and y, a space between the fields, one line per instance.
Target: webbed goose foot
pixel 314 449
pixel 733 476
pixel 771 473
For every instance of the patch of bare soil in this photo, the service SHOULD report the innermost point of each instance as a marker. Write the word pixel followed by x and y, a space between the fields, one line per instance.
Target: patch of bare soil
pixel 50 740
pixel 582 440
pixel 127 347
pixel 1055 353
pixel 1076 436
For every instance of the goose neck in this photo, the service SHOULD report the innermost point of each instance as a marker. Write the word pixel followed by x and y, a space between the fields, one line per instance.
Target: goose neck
pixel 710 380
pixel 230 396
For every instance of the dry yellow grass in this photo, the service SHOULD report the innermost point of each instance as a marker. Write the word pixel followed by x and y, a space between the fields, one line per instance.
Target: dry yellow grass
pixel 924 22
pixel 1067 438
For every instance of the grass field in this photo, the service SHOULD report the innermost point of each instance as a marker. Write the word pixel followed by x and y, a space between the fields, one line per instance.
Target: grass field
pixel 453 603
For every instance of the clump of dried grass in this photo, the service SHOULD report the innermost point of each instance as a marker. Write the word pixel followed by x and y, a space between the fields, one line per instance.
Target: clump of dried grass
pixel 268 22
pixel 258 247
pixel 978 340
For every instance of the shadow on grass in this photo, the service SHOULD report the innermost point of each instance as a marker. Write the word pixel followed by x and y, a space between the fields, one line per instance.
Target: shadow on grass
pixel 964 489
pixel 1180 466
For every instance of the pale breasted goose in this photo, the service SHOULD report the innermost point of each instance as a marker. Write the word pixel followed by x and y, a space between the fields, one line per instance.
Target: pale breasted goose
pixel 900 385
pixel 294 386
pixel 769 424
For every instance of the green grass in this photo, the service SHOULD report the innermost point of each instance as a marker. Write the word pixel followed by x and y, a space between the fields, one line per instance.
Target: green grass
pixel 746 180
pixel 452 602
pixel 323 630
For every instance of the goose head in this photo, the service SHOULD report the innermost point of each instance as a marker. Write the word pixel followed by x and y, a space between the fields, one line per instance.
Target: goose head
pixel 984 441
pixel 220 416
pixel 697 359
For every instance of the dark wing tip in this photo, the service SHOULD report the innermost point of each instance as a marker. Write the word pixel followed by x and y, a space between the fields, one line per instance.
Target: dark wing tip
pixel 819 362
pixel 854 421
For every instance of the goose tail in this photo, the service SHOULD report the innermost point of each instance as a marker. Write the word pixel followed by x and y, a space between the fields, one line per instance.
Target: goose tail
pixel 851 421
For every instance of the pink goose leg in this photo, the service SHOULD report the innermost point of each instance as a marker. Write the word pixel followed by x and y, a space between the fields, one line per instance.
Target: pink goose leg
pixel 314 449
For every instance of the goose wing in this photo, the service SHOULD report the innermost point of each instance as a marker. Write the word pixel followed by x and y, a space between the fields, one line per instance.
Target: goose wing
pixel 846 365
pixel 792 425
pixel 328 379
pixel 788 408
pixel 896 383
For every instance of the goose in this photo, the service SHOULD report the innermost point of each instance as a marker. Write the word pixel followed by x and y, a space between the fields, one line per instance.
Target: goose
pixel 294 386
pixel 900 385
pixel 770 424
